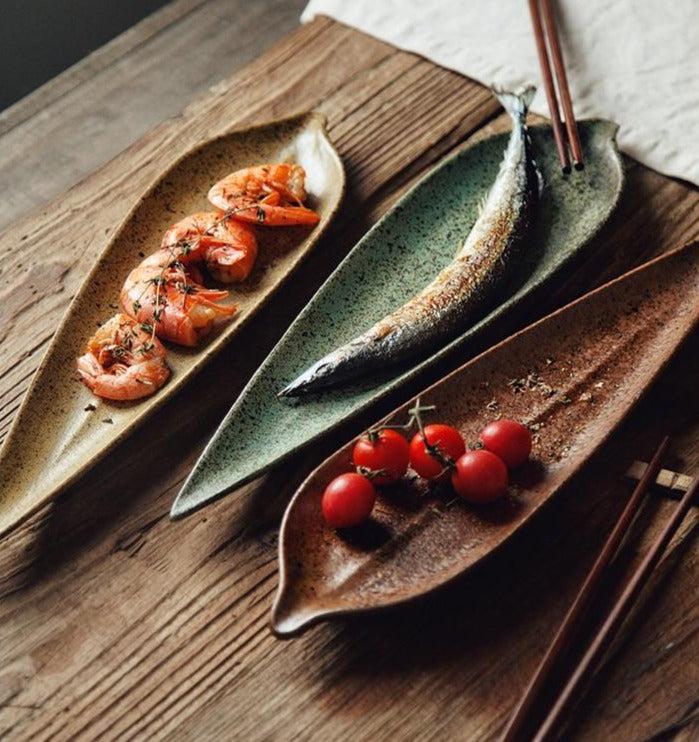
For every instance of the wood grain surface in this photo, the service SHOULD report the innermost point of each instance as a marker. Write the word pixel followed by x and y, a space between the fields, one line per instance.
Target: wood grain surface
pixel 117 623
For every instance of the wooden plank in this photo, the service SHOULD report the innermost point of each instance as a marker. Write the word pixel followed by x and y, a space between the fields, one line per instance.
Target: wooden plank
pixel 38 295
pixel 124 625
pixel 191 643
pixel 79 120
pixel 94 63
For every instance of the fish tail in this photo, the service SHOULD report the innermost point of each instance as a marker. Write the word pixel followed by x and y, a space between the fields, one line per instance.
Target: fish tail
pixel 516 104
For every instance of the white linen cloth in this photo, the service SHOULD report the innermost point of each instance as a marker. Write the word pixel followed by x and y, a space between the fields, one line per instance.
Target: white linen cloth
pixel 635 62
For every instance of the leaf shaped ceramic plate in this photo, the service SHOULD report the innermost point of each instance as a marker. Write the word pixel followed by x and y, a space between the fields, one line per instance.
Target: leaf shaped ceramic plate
pixel 573 377
pixel 56 435
pixel 397 257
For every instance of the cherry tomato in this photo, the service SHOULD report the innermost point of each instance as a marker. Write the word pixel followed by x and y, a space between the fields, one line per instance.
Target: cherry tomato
pixel 388 453
pixel 447 439
pixel 348 500
pixel 480 476
pixel 509 440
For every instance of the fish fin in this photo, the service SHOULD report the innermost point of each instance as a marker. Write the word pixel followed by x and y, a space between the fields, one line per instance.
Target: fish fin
pixel 516 104
pixel 539 177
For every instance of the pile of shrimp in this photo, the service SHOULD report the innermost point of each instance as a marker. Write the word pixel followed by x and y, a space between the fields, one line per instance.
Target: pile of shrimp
pixel 165 296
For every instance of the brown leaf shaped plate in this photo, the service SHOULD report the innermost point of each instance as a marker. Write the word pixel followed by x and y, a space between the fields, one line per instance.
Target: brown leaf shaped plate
pixel 572 377
pixel 61 428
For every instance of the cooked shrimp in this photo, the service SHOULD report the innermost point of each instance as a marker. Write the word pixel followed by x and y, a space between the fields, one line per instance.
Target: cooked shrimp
pixel 165 292
pixel 231 257
pixel 122 361
pixel 272 195
pixel 229 248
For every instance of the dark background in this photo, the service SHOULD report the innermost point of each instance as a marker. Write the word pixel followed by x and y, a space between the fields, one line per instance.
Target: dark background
pixel 40 38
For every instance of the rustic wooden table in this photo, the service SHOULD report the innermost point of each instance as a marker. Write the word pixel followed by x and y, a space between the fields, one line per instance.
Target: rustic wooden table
pixel 116 622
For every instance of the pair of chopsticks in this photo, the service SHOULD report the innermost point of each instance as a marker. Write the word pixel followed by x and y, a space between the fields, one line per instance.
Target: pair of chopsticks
pixel 612 623
pixel 543 20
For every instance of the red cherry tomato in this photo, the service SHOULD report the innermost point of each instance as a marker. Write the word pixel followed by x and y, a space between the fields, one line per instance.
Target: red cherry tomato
pixel 480 476
pixel 388 454
pixel 447 439
pixel 348 500
pixel 509 440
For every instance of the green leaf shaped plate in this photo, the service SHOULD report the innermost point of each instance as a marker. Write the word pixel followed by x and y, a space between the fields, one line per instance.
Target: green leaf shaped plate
pixel 388 266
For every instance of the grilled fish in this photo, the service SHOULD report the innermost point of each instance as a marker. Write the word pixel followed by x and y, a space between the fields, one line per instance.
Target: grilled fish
pixel 453 299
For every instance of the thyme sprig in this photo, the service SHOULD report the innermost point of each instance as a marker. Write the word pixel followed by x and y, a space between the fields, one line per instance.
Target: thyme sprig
pixel 432 449
pixel 414 417
pixel 177 250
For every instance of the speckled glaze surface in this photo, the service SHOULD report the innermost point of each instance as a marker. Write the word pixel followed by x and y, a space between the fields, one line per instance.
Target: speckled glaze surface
pixel 573 377
pixel 55 435
pixel 393 262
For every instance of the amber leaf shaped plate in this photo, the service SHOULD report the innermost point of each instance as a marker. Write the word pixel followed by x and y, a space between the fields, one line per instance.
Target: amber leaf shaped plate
pixel 572 377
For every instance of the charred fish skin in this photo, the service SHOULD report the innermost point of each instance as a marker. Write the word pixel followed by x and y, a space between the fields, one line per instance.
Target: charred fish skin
pixel 453 299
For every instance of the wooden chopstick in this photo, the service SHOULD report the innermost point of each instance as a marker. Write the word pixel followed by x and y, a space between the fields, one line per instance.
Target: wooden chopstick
pixel 572 619
pixel 562 80
pixel 559 132
pixel 620 610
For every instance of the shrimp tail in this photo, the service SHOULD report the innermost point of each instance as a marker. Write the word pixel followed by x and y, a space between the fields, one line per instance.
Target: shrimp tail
pixel 227 310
